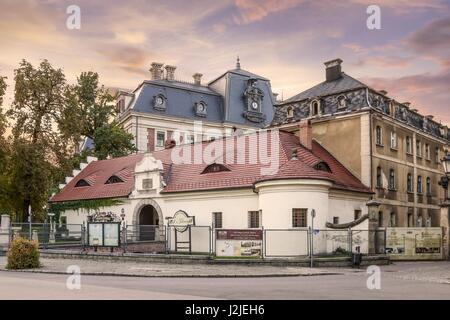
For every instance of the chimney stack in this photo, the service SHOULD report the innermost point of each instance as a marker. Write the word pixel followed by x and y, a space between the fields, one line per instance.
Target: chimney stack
pixel 156 70
pixel 383 92
pixel 305 133
pixel 197 79
pixel 333 70
pixel 170 72
pixel 406 104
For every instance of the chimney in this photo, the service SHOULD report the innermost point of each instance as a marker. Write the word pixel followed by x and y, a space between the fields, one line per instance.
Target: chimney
pixel 406 104
pixel 197 79
pixel 305 133
pixel 170 72
pixel 156 70
pixel 333 70
pixel 275 96
pixel 429 117
pixel 383 92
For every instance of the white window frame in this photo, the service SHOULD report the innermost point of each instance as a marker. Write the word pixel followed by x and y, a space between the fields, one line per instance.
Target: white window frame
pixel 394 141
pixel 156 138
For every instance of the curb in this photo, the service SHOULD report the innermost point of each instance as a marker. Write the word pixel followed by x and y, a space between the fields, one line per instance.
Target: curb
pixel 131 275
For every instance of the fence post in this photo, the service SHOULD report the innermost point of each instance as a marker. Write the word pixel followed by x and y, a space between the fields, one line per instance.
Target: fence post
pixel 311 246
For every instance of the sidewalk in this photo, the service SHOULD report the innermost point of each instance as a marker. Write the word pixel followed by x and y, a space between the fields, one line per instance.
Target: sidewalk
pixel 141 269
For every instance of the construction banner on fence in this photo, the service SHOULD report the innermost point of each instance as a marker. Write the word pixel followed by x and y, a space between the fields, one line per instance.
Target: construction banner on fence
pixel 414 243
pixel 239 242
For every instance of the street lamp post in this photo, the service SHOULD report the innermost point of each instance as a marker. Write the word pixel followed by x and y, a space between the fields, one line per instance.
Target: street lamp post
pixel 445 179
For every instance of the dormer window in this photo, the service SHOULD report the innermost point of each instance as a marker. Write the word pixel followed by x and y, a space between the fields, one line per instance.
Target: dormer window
pixel 322 166
pixel 159 102
pixel 290 112
pixel 341 102
pixel 201 109
pixel 113 179
pixel 215 167
pixel 121 106
pixel 82 183
pixel 315 108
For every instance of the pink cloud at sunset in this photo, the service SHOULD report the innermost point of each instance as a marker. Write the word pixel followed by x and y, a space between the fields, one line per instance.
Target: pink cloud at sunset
pixel 286 41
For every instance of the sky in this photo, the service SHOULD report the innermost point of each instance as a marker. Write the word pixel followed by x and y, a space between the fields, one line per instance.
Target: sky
pixel 286 41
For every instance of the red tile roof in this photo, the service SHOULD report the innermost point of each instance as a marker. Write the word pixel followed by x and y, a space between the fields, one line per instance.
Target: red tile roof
pixel 96 174
pixel 189 177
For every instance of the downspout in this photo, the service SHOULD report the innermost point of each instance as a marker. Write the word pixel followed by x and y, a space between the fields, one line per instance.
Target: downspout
pixel 370 137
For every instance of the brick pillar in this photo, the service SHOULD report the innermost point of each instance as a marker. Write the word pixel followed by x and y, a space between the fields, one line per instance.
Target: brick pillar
pixel 445 206
pixel 150 139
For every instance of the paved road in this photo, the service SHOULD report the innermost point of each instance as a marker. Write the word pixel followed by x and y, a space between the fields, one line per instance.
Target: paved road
pixel 349 285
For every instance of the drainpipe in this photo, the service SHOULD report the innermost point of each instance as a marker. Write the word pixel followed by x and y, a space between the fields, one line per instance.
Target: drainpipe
pixel 370 137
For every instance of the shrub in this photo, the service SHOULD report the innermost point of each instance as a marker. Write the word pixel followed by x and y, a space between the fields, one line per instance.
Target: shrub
pixel 23 254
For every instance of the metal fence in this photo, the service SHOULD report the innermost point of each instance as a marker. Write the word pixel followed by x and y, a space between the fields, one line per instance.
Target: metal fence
pixel 194 239
pixel 286 242
pixel 145 233
pixel 48 235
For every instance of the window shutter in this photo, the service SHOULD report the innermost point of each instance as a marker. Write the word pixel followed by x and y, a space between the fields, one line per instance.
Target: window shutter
pixel 260 219
pixel 249 215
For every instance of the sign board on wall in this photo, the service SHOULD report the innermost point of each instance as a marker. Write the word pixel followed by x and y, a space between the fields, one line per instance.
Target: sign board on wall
pixel 104 234
pixel 414 243
pixel 239 242
pixel 181 221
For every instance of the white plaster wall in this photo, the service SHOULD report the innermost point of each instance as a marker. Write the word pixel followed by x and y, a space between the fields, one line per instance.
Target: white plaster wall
pixel 276 200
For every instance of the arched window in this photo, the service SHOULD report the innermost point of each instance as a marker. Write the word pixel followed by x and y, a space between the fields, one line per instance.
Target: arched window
pixel 315 108
pixel 82 183
pixel 215 167
pixel 380 218
pixel 379 178
pixel 392 179
pixel 290 112
pixel 410 183
pixel 341 102
pixel 113 179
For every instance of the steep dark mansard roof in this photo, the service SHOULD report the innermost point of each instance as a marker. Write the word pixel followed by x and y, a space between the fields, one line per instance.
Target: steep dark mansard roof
pixel 378 101
pixel 345 83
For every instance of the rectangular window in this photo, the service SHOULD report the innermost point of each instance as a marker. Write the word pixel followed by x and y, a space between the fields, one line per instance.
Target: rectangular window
pixel 437 155
pixel 392 179
pixel 358 214
pixel 392 219
pixel 254 219
pixel 419 184
pixel 393 140
pixel 410 220
pixel 299 218
pixel 379 178
pixel 217 220
pixel 379 136
pixel 410 183
pixel 419 149
pixel 335 220
pixel 428 186
pixel 190 138
pixel 380 219
pixel 427 151
pixel 160 139
pixel 147 184
pixel 408 145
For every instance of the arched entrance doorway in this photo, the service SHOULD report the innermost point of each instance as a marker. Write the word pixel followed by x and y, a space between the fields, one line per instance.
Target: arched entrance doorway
pixel 148 223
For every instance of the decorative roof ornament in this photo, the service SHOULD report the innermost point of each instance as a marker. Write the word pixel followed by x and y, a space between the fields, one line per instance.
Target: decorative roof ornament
pixel 238 63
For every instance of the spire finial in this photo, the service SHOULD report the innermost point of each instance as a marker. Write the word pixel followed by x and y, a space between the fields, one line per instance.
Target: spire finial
pixel 238 63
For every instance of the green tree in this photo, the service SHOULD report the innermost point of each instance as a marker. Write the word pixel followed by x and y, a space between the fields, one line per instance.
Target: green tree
pixel 4 154
pixel 112 141
pixel 90 113
pixel 40 153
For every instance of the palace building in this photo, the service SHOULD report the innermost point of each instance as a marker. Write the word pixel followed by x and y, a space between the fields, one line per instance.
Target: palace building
pixel 164 108
pixel 271 179
pixel 388 145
